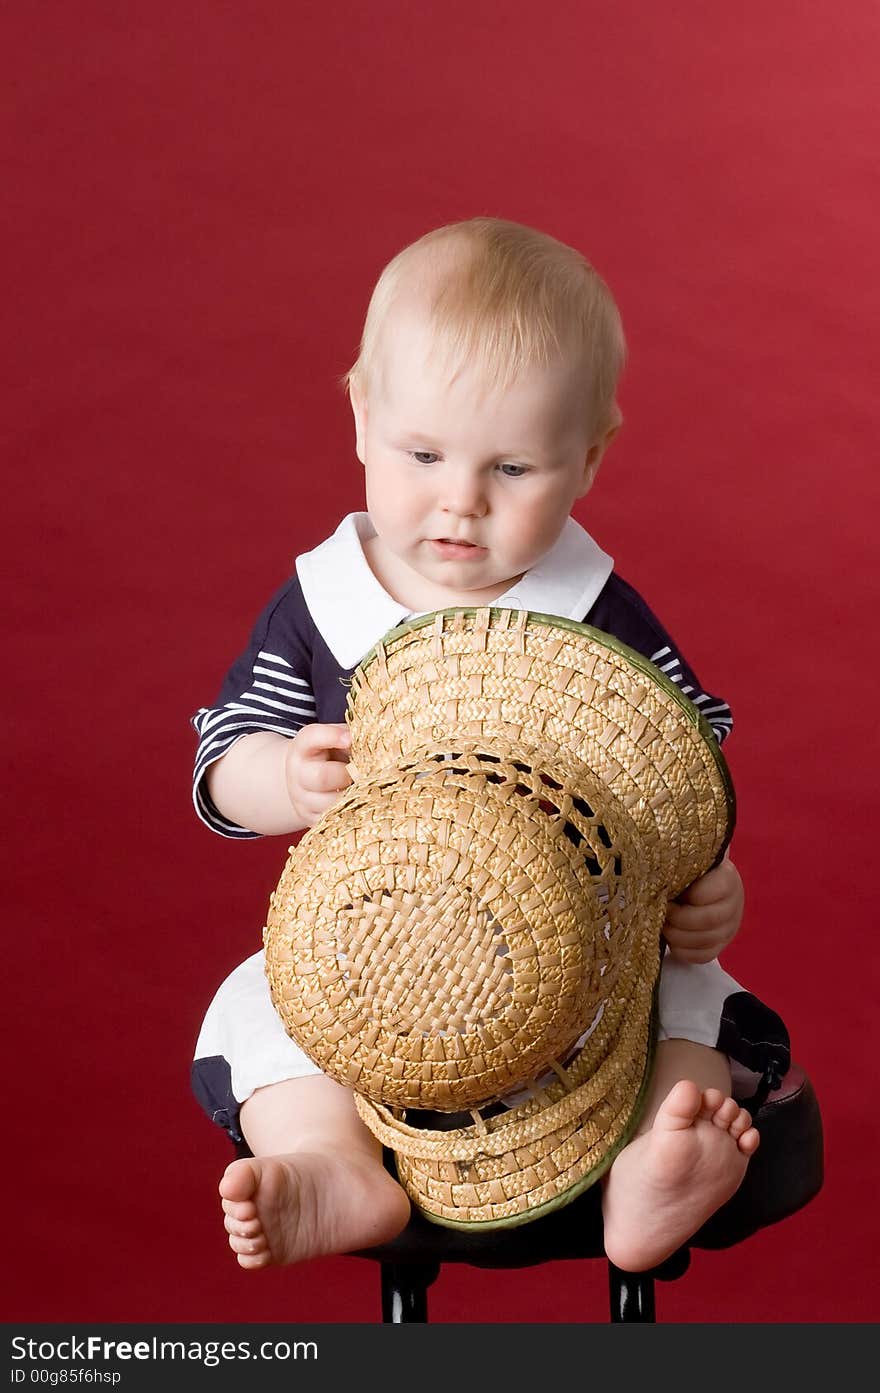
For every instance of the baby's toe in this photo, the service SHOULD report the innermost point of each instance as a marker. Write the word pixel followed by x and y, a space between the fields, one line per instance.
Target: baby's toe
pixel 240 1180
pixel 247 1247
pixel 726 1113
pixel 740 1124
pixel 240 1210
pixel 251 1262
pixel 749 1140
pixel 242 1228
pixel 712 1100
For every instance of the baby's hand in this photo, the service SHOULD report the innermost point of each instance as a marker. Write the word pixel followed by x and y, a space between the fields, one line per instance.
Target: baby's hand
pixel 316 769
pixel 707 916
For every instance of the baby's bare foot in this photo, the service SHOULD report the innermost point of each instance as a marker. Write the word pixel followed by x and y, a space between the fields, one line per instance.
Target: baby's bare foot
pixel 668 1180
pixel 283 1209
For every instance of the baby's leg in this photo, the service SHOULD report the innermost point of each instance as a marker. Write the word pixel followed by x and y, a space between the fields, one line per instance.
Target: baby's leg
pixel 688 1156
pixel 316 1183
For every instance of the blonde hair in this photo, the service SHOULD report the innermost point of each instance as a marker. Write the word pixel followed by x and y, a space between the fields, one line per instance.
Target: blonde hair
pixel 504 297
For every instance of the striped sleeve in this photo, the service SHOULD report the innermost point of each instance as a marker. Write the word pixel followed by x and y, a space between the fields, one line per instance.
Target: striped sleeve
pixel 267 688
pixel 621 611
pixel 716 711
pixel 713 708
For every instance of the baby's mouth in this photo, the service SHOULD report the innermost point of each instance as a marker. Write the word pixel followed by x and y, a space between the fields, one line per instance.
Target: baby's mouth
pixel 452 546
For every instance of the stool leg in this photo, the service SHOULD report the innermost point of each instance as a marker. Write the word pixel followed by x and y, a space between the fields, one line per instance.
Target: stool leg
pixel 632 1295
pixel 405 1291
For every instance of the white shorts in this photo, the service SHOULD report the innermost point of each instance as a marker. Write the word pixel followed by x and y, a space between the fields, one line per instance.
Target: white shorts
pixel 243 1046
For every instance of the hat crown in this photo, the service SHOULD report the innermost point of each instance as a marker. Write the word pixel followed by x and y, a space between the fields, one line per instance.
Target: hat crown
pixel 462 917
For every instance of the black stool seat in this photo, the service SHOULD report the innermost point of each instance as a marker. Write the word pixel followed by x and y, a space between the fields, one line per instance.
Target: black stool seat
pixel 785 1173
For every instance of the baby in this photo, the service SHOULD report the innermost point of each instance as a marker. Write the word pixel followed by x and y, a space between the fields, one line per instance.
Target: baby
pixel 484 399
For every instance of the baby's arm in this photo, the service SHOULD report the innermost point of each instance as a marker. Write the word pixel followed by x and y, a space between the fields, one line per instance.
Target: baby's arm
pixel 274 784
pixel 707 916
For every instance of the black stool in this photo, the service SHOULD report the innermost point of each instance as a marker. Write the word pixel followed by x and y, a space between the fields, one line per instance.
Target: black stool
pixel 785 1173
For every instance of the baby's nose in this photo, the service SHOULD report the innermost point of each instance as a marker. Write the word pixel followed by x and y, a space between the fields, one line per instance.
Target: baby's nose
pixel 464 496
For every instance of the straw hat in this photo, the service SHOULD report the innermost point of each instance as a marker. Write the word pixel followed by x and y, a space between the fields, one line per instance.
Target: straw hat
pixel 470 937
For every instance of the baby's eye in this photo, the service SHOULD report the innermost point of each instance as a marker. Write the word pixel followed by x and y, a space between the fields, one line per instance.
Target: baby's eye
pixel 513 471
pixel 424 456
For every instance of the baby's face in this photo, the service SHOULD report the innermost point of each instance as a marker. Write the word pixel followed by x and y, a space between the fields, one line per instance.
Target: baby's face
pixel 467 488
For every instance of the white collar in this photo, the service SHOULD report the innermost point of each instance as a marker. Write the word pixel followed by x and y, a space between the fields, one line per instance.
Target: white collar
pixel 353 612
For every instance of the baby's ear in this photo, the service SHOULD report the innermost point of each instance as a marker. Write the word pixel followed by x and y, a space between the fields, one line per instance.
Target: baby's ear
pixel 359 409
pixel 598 448
pixel 615 421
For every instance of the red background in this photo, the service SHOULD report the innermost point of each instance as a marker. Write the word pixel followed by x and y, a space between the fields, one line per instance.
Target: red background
pixel 201 197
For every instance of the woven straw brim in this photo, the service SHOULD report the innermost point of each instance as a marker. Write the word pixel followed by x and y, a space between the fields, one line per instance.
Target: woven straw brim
pixel 523 677
pixel 540 1155
pixel 447 930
